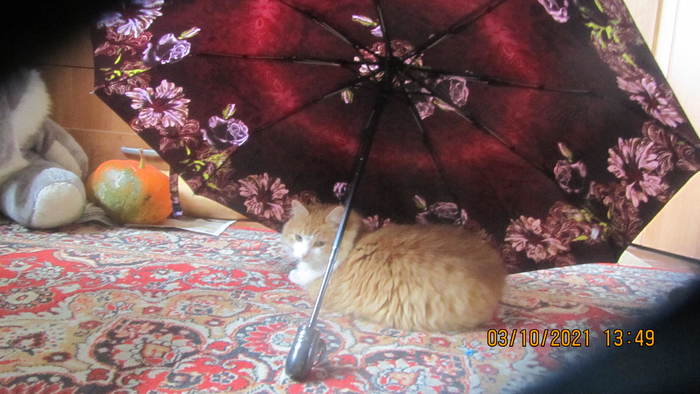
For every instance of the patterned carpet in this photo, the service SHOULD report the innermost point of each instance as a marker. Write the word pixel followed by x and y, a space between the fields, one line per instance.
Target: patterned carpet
pixel 95 309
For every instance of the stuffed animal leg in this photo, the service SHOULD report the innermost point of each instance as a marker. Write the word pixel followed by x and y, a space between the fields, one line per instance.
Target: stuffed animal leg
pixel 41 165
pixel 43 195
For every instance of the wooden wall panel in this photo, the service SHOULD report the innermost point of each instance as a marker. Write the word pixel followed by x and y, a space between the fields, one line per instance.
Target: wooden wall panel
pixel 74 106
pixel 69 77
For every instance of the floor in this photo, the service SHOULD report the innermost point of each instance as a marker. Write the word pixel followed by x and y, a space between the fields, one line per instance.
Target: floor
pixel 642 257
pixel 633 256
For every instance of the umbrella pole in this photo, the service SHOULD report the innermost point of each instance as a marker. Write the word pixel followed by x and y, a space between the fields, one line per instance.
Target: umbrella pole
pixel 308 346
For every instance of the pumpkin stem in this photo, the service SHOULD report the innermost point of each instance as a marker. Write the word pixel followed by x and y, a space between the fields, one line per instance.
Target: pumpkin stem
pixel 142 161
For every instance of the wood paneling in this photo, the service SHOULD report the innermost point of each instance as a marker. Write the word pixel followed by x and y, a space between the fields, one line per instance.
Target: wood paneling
pixel 74 105
pixel 69 78
pixel 103 145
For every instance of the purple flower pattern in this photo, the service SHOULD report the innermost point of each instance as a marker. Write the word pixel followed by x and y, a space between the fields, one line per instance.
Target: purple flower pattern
pixel 572 224
pixel 440 212
pixel 557 9
pixel 265 198
pixel 528 235
pixel 374 223
pixel 457 88
pixel 223 133
pixel 164 106
pixel 133 23
pixel 671 151
pixel 625 221
pixel 636 164
pixel 570 176
pixel 445 212
pixel 640 165
pixel 188 135
pixel 169 49
pixel 621 22
pixel 339 190
pixel 117 44
pixel 425 108
pixel 611 41
pixel 549 242
pixel 655 99
pixel 127 77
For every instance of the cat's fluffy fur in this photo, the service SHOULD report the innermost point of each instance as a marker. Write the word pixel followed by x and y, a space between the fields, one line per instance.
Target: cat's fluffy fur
pixel 413 277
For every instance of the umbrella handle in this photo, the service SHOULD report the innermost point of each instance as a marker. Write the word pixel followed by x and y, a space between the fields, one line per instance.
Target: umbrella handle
pixel 308 346
pixel 307 351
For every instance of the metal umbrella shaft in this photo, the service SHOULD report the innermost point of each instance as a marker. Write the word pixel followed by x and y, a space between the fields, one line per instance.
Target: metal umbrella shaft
pixel 307 347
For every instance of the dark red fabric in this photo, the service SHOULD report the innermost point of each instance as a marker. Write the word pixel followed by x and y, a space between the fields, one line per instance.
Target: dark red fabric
pixel 513 186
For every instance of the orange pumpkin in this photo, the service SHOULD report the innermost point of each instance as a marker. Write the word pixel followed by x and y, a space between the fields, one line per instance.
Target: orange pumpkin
pixel 130 191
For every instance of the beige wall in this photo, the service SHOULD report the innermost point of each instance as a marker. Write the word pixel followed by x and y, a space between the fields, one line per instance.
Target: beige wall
pixel 671 30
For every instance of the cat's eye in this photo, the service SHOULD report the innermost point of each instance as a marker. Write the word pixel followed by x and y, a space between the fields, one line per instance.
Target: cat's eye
pixel 297 237
pixel 318 244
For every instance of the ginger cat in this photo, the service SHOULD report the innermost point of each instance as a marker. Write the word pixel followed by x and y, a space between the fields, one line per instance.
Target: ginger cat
pixel 411 277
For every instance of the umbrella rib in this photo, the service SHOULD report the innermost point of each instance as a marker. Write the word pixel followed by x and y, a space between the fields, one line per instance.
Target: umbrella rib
pixel 385 29
pixel 460 112
pixel 347 64
pixel 499 82
pixel 327 26
pixel 472 120
pixel 431 149
pixel 455 28
pixel 307 104
pixel 291 59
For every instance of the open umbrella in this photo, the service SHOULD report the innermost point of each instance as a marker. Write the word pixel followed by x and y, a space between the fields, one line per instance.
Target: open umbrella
pixel 545 124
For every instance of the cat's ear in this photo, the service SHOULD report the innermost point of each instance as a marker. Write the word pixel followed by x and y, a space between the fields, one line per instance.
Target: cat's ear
pixel 298 209
pixel 336 215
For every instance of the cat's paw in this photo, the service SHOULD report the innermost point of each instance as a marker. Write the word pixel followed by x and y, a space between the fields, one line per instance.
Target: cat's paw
pixel 295 277
pixel 302 277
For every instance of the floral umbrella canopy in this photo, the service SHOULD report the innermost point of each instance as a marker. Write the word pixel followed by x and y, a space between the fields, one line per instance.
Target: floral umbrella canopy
pixel 545 124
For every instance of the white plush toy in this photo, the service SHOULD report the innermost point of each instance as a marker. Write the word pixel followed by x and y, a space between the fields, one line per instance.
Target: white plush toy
pixel 41 165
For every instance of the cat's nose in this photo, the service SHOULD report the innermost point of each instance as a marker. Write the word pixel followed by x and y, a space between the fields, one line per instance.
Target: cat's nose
pixel 300 250
pixel 299 253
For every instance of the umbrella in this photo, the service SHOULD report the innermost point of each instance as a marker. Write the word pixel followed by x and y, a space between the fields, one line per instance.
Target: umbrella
pixel 544 124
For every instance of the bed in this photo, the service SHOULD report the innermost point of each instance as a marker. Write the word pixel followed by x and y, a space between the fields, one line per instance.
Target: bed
pixel 109 309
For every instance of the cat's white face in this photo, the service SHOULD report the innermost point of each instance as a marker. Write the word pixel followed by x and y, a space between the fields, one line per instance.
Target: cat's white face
pixel 306 247
pixel 308 236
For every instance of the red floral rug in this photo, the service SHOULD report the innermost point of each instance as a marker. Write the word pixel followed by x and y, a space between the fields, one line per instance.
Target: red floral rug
pixel 94 309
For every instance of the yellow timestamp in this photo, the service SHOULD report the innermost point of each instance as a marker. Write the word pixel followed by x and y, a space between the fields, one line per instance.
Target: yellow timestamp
pixel 618 337
pixel 538 337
